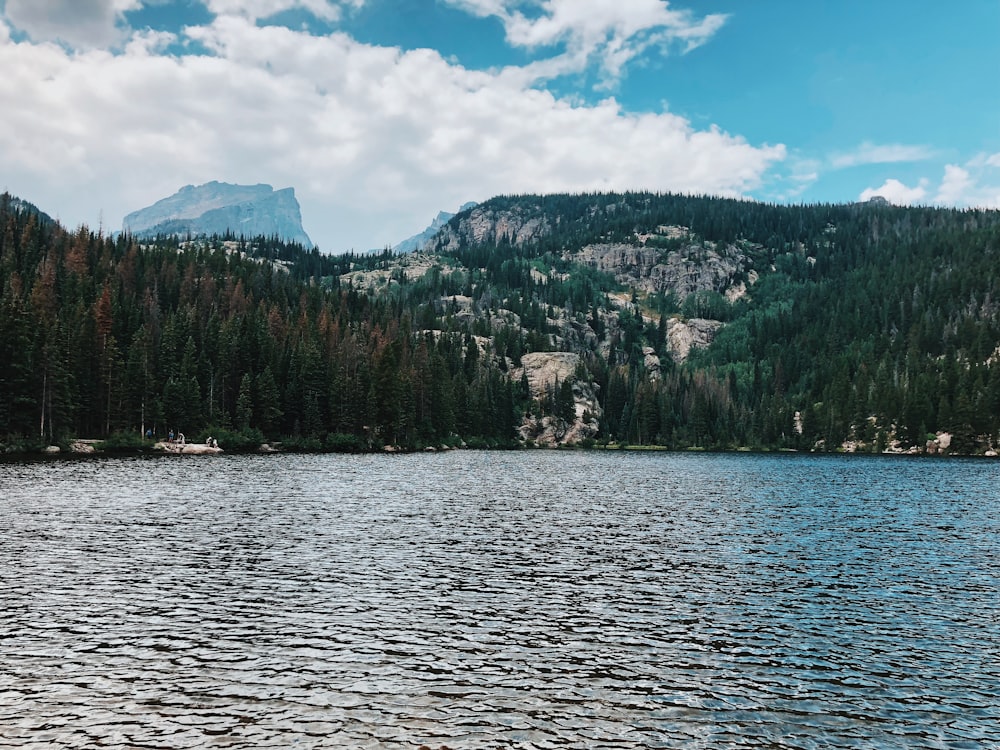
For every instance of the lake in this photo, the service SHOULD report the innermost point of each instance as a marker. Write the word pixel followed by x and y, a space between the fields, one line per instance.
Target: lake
pixel 532 599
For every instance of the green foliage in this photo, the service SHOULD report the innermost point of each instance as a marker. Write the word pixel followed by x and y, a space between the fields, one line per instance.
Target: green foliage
pixel 565 406
pixel 867 323
pixel 303 444
pixel 245 440
pixel 339 442
pixel 124 442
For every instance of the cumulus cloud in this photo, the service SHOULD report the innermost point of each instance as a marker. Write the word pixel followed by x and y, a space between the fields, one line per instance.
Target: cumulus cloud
pixel 955 186
pixel 974 184
pixel 611 31
pixel 79 23
pixel 896 192
pixel 971 185
pixel 375 140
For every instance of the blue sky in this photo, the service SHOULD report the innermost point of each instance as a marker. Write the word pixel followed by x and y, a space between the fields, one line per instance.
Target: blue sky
pixel 380 113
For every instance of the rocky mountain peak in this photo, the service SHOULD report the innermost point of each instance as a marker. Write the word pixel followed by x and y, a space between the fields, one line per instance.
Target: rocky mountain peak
pixel 218 208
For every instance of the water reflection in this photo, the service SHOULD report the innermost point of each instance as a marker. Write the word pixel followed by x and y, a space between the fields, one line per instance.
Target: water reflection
pixel 482 600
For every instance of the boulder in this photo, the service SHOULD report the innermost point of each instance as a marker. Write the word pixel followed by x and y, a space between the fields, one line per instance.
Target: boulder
pixel 188 449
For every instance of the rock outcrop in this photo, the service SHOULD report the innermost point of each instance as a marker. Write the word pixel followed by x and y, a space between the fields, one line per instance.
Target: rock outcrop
pixel 685 334
pixel 188 449
pixel 544 371
pixel 485 225
pixel 218 208
pixel 695 267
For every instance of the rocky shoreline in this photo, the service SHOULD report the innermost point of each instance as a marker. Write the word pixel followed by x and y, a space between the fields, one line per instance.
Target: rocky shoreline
pixel 192 449
pixel 87 447
pixel 90 447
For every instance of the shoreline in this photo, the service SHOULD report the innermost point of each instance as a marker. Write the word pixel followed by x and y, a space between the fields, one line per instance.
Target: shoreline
pixel 88 447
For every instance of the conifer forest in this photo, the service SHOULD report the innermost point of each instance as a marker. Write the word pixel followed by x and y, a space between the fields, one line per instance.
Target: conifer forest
pixel 829 327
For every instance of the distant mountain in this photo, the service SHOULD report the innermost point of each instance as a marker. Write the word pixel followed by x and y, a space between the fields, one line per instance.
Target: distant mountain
pixel 417 242
pixel 218 208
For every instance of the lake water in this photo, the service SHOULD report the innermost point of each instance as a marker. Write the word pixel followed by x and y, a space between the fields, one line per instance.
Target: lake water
pixel 500 600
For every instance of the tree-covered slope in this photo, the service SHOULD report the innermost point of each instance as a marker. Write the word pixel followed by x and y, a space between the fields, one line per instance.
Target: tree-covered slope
pixel 102 336
pixel 852 323
pixel 635 318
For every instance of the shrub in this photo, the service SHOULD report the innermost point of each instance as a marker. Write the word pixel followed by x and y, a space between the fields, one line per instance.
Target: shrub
pixel 302 444
pixel 124 442
pixel 245 440
pixel 340 442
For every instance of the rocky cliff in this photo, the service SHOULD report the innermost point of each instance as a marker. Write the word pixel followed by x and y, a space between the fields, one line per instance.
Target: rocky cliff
pixel 654 259
pixel 544 371
pixel 488 224
pixel 218 208
pixel 695 266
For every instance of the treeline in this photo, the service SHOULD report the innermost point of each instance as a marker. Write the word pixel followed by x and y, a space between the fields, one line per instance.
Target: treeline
pixel 101 336
pixel 869 323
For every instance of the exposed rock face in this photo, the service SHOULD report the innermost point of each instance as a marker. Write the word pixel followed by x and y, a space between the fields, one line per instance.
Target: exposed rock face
pixel 412 266
pixel 483 224
pixel 664 260
pixel 692 332
pixel 698 267
pixel 651 362
pixel 217 208
pixel 544 370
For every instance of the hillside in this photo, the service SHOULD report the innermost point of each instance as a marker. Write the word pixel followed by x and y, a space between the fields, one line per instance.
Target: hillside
pixel 631 318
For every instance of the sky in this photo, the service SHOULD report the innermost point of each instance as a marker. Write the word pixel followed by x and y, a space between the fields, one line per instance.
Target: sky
pixel 380 113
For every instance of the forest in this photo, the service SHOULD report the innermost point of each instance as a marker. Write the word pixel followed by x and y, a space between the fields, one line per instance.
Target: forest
pixel 867 327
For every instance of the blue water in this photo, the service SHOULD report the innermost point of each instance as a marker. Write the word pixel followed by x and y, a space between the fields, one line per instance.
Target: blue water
pixel 489 600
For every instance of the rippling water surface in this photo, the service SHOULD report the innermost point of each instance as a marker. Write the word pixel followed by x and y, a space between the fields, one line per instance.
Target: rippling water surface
pixel 491 600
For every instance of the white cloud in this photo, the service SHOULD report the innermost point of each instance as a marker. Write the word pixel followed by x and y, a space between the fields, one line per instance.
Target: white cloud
pixel 973 184
pixel 896 192
pixel 967 186
pixel 322 9
pixel 956 186
pixel 375 140
pixel 611 31
pixel 871 153
pixel 79 23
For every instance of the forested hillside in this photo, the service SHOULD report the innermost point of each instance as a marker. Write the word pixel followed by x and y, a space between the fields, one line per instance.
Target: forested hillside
pixel 627 318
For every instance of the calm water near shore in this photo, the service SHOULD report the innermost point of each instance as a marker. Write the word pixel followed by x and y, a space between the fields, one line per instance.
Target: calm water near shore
pixel 533 599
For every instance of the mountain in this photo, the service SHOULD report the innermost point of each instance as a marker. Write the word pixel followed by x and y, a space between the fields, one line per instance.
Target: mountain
pixel 221 208
pixel 688 322
pixel 417 242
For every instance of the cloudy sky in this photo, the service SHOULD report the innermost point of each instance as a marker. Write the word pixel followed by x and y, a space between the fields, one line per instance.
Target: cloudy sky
pixel 382 112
